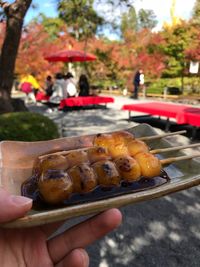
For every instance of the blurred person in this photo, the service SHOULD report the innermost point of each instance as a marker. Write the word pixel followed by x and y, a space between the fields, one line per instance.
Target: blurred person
pixel 70 83
pixel 49 85
pixel 35 246
pixel 138 81
pixel 27 88
pixel 30 78
pixel 58 92
pixel 84 87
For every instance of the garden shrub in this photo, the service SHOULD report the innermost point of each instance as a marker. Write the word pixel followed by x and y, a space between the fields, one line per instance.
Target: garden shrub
pixel 191 85
pixel 27 126
pixel 158 86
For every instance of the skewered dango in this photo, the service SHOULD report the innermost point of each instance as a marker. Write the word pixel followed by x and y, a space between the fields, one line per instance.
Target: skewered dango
pixel 76 157
pixel 150 165
pixel 55 186
pixel 53 162
pixel 115 139
pixel 114 158
pixel 128 168
pixel 137 146
pixel 120 143
pixel 97 153
pixel 107 174
pixel 83 178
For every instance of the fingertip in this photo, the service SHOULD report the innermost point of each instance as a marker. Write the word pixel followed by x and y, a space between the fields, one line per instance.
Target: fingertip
pixel 107 221
pixel 84 258
pixel 118 215
pixel 114 217
pixel 13 207
pixel 76 258
pixel 21 201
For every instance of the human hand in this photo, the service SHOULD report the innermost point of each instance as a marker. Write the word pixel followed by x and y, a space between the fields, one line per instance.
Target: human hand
pixel 30 247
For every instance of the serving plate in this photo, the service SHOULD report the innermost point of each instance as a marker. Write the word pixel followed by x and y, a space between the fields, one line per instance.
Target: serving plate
pixel 17 158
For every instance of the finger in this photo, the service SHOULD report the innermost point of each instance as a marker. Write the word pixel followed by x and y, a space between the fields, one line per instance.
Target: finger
pixel 83 234
pixel 13 207
pixel 49 229
pixel 77 258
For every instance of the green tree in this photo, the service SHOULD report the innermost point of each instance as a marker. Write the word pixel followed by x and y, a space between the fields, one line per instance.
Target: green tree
pixel 80 16
pixel 146 19
pixel 53 26
pixel 177 40
pixel 196 12
pixel 129 21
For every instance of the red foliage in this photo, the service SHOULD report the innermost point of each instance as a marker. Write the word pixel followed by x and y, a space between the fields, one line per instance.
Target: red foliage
pixel 193 54
pixel 118 59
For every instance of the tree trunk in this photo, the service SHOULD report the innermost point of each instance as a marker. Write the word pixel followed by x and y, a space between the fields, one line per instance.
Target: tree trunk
pixel 15 16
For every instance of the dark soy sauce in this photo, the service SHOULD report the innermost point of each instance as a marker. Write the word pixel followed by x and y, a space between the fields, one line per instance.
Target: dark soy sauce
pixel 30 189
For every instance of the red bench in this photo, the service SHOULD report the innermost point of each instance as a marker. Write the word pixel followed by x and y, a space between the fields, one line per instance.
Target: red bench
pixel 41 97
pixel 81 101
pixel 182 113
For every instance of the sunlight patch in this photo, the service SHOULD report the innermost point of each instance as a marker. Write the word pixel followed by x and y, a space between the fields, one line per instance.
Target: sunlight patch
pixel 175 237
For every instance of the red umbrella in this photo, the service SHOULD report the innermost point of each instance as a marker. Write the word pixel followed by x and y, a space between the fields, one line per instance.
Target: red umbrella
pixel 70 56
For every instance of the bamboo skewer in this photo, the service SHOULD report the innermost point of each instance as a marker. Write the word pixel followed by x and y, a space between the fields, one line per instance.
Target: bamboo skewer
pixel 162 150
pixel 62 153
pixel 146 138
pixel 175 159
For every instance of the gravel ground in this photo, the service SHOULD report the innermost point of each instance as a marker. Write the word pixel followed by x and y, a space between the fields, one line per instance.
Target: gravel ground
pixel 161 232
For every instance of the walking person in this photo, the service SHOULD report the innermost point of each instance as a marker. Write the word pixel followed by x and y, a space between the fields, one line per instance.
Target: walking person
pixel 137 82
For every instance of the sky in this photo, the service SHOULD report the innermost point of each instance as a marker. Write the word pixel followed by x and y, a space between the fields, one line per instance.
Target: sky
pixel 47 7
pixel 161 9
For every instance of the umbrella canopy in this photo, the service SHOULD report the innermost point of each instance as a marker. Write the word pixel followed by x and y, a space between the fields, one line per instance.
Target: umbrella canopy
pixel 70 56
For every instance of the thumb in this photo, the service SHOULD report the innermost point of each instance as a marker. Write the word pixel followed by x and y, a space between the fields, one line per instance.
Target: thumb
pixel 13 207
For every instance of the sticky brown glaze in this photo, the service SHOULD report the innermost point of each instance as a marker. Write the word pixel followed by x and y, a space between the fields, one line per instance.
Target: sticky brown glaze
pixel 128 168
pixel 122 137
pixel 83 178
pixel 117 150
pixel 55 186
pixel 103 140
pixel 114 158
pixel 76 157
pixel 149 164
pixel 97 153
pixel 115 143
pixel 107 173
pixel 112 139
pixel 137 146
pixel 56 162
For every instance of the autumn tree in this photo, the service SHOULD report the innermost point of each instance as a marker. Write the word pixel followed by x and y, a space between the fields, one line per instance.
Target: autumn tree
pixel 192 51
pixel 14 15
pixel 35 42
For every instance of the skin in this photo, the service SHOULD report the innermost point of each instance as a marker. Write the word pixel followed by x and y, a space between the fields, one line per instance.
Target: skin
pixel 30 247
